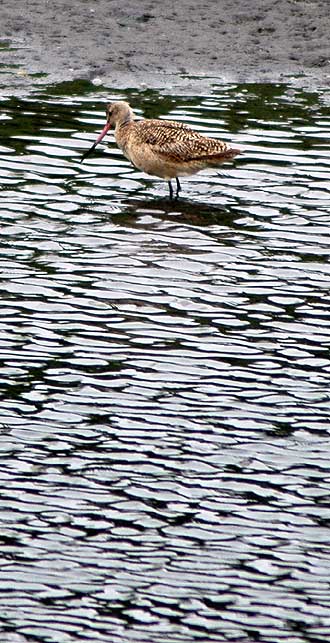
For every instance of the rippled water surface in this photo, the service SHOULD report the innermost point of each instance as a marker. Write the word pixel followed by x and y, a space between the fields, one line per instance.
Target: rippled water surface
pixel 165 376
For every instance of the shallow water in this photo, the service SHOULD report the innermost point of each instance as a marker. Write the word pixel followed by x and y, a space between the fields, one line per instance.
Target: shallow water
pixel 165 375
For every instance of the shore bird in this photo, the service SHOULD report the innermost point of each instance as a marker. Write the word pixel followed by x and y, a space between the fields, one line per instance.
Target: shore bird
pixel 167 149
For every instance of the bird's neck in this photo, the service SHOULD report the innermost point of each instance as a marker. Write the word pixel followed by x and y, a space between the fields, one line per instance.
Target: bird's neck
pixel 126 118
pixel 122 131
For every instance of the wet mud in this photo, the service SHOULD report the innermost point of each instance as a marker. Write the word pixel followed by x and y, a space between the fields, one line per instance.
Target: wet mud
pixel 165 45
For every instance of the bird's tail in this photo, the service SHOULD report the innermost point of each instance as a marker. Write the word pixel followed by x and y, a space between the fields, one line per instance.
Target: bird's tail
pixel 230 153
pixel 221 157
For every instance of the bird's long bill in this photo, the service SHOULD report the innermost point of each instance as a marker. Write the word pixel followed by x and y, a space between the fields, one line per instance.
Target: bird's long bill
pixel 98 140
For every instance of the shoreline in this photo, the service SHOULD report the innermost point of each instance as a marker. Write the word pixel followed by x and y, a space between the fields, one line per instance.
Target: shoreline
pixel 163 46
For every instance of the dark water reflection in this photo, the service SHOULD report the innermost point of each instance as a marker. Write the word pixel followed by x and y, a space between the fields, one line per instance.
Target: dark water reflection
pixel 165 377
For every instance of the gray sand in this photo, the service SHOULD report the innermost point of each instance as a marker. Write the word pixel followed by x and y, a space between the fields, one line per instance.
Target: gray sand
pixel 163 44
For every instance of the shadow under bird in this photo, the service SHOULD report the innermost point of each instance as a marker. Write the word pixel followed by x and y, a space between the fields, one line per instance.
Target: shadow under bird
pixel 167 149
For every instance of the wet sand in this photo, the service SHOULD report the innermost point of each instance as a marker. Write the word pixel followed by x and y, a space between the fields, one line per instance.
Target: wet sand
pixel 182 46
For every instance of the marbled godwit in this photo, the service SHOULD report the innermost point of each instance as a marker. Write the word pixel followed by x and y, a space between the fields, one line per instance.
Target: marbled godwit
pixel 167 149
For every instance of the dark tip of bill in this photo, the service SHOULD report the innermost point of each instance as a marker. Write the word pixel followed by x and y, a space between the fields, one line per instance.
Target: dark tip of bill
pixel 84 156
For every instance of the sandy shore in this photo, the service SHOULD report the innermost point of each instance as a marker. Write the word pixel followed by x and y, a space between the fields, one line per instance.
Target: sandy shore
pixel 163 44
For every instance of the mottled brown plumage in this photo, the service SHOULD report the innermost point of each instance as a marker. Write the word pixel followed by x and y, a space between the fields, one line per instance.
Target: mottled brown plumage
pixel 167 149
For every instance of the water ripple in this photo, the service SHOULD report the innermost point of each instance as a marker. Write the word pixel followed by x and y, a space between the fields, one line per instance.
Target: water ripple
pixel 165 376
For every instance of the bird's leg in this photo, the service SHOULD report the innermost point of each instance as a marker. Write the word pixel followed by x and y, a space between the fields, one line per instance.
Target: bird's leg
pixel 178 187
pixel 171 190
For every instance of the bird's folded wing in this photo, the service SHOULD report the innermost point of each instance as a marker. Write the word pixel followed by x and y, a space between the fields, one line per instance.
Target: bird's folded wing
pixel 178 142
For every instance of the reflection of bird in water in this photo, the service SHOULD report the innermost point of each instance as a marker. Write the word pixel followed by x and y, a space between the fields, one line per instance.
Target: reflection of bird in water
pixel 167 149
